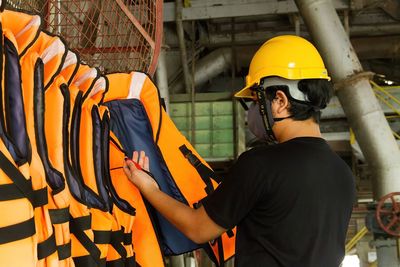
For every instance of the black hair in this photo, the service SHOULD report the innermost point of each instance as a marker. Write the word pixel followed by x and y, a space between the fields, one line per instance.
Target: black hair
pixel 318 92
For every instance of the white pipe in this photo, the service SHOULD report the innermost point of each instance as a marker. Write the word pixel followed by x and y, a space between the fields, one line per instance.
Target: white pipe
pixel 162 78
pixel 208 67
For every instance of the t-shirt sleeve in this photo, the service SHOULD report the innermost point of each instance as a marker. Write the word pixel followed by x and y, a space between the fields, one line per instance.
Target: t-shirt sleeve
pixel 238 193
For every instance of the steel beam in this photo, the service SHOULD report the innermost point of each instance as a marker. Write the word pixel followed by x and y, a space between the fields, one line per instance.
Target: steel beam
pixel 203 9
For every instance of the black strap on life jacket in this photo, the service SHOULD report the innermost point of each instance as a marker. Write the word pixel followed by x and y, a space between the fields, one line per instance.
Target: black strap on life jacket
pixel 26 228
pixel 47 247
pixel 127 239
pixel 64 251
pixel 77 227
pixel 205 173
pixel 60 216
pixel 128 262
pixel 101 237
pixel 18 231
pixel 21 187
pixel 117 238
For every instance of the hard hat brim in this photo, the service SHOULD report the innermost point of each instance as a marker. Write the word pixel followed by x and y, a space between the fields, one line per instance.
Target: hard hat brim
pixel 245 93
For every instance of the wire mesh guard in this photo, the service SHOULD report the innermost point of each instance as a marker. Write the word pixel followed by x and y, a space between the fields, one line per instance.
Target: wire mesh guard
pixel 114 35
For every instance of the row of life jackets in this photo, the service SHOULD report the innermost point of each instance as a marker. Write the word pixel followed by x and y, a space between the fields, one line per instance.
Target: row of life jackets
pixel 65 129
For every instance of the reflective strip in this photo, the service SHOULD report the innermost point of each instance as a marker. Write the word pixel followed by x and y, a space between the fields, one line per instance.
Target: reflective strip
pixel 56 48
pixel 70 59
pixel 91 73
pixel 35 21
pixel 100 85
pixel 137 81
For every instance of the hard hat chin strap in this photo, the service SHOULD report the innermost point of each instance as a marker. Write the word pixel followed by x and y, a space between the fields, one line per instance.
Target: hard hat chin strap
pixel 266 113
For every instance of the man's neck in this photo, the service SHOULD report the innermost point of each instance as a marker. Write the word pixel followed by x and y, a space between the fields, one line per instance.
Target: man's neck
pixel 289 129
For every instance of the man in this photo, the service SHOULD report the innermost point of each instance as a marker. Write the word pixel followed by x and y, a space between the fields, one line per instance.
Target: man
pixel 291 201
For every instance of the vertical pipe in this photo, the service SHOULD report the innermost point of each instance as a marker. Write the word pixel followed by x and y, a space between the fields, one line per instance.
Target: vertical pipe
pixel 346 22
pixel 296 24
pixel 162 78
pixel 58 17
pixel 234 106
pixel 182 45
pixel 193 93
pixel 355 94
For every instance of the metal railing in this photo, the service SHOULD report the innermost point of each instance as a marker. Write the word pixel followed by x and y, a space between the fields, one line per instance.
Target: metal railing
pixel 384 94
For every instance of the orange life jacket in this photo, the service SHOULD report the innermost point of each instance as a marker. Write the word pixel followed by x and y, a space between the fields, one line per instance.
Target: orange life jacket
pixel 18 242
pixel 144 237
pixel 46 253
pixel 121 251
pixel 95 129
pixel 140 107
pixel 90 160
pixel 84 250
pixel 41 168
pixel 57 118
pixel 108 232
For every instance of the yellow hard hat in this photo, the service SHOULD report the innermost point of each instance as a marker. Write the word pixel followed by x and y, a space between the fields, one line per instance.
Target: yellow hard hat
pixel 287 56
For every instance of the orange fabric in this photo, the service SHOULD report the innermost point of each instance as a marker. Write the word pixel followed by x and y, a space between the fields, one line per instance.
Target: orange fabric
pixel 26 30
pixel 122 220
pixel 70 67
pixel 44 229
pixel 85 78
pixel 140 86
pixel 102 220
pixel 145 243
pixel 169 141
pixel 54 134
pixel 22 252
pixel 60 198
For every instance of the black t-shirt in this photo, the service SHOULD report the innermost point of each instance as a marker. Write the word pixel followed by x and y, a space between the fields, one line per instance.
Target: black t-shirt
pixel 291 203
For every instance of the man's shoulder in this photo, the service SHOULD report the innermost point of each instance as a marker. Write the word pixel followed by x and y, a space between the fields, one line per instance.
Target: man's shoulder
pixel 258 151
pixel 257 156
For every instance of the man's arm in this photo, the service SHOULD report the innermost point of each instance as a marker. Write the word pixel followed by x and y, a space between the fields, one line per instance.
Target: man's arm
pixel 194 223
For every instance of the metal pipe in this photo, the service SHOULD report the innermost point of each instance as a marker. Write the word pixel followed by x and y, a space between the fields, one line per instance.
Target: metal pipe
pixel 162 78
pixel 208 67
pixel 355 94
pixel 182 46
pixel 59 16
pixel 258 37
pixel 377 47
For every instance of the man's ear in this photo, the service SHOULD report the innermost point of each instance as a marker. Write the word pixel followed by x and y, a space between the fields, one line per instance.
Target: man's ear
pixel 282 102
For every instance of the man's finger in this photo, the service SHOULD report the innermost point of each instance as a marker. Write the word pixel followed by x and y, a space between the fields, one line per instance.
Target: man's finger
pixel 126 169
pixel 135 156
pixel 141 158
pixel 146 164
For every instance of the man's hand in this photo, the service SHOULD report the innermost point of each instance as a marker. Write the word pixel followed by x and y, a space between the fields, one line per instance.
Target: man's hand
pixel 194 223
pixel 139 178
